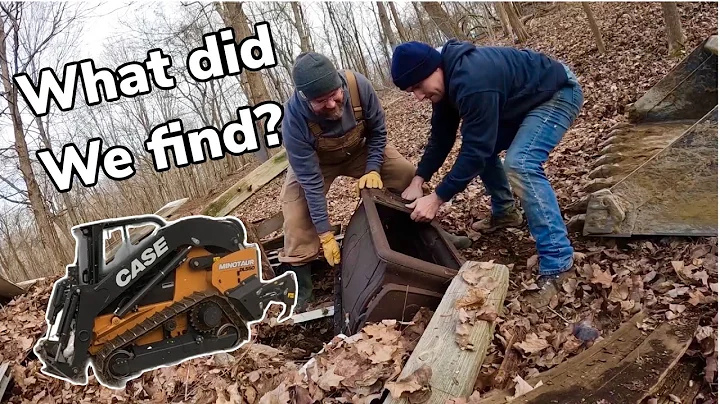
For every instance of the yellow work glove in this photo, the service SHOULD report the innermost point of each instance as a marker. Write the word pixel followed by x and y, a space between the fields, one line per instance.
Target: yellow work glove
pixel 369 180
pixel 330 247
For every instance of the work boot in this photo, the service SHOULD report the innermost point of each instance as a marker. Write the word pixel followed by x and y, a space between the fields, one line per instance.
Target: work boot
pixel 512 218
pixel 550 285
pixel 459 242
pixel 305 286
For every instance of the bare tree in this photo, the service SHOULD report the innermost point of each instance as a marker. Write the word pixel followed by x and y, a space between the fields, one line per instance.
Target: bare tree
pixel 673 28
pixel 442 20
pixel 504 21
pixel 234 16
pixel 398 23
pixel 517 26
pixel 385 21
pixel 301 27
pixel 17 50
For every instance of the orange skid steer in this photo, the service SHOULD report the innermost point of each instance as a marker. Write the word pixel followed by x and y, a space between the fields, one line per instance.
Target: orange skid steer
pixel 190 288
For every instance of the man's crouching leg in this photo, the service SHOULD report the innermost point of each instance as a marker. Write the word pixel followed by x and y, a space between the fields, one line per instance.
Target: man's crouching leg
pixel 397 174
pixel 302 244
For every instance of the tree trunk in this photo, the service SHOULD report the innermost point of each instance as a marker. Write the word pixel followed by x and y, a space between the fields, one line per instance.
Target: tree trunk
pixel 234 16
pixel 673 28
pixel 48 237
pixel 398 23
pixel 361 58
pixel 500 10
pixel 338 37
pixel 420 22
pixel 381 33
pixel 515 23
pixel 385 21
pixel 443 21
pixel 594 27
pixel 301 27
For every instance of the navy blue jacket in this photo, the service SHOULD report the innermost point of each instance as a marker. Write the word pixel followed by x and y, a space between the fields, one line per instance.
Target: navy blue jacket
pixel 491 89
pixel 300 143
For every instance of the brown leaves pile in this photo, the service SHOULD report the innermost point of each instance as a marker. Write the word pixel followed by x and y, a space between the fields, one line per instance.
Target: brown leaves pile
pixel 358 368
pixel 474 306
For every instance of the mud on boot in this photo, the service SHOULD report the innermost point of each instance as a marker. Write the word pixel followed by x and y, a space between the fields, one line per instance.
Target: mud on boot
pixel 512 218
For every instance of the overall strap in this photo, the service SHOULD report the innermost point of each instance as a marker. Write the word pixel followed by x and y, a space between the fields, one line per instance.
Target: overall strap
pixel 354 95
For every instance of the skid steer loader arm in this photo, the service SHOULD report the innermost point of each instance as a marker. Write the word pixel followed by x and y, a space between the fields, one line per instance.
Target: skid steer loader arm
pixel 657 175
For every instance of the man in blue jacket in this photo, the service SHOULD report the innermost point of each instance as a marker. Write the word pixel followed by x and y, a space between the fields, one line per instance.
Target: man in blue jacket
pixel 515 100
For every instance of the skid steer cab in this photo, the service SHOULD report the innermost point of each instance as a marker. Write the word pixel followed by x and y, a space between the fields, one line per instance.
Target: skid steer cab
pixel 155 296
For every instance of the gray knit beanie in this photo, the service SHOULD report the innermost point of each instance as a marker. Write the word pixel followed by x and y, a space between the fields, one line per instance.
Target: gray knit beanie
pixel 314 75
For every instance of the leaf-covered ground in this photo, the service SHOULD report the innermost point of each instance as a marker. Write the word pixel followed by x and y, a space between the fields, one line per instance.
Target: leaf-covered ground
pixel 615 278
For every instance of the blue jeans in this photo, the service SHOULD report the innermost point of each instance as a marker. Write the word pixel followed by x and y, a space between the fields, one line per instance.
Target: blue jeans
pixel 541 130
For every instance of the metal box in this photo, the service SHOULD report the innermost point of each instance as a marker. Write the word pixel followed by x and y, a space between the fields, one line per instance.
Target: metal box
pixel 391 265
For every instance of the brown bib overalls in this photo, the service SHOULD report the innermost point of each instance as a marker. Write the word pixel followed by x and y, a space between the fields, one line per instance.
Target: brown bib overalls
pixel 345 155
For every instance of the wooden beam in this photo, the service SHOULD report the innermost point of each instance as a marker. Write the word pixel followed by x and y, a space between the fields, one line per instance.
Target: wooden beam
pixel 454 370
pixel 626 367
pixel 224 204
pixel 9 290
pixel 5 376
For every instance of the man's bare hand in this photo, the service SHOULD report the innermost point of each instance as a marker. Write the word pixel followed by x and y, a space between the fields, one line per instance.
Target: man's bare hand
pixel 414 190
pixel 425 208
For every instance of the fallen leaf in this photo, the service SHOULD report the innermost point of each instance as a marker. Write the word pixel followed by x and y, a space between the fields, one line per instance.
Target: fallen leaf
pixel 682 272
pixel 462 336
pixel 704 332
pixel 649 276
pixel 329 380
pixel 25 343
pixel 570 285
pixel 711 367
pixel 522 387
pixel 475 297
pixel 382 332
pixel 487 313
pixel 532 344
pixel 419 379
pixel 678 291
pixel 677 308
pixel 382 353
pixel 532 262
pixel 473 274
pixel 701 276
pixel 604 278
pixel 696 297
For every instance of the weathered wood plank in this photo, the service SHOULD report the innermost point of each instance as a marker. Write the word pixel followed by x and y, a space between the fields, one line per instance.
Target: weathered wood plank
pixel 5 376
pixel 454 370
pixel 269 225
pixel 679 383
pixel 9 290
pixel 627 367
pixel 224 204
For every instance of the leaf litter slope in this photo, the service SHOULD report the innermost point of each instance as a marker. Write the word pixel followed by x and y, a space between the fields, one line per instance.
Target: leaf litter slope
pixel 668 276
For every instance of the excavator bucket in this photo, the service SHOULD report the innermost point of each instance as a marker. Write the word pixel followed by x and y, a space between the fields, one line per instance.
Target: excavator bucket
pixel 658 174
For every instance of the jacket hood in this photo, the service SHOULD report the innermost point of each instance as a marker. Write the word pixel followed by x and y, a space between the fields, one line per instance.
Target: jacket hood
pixel 453 51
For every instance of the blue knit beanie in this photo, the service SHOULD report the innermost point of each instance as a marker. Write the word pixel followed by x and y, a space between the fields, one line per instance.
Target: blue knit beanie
pixel 413 62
